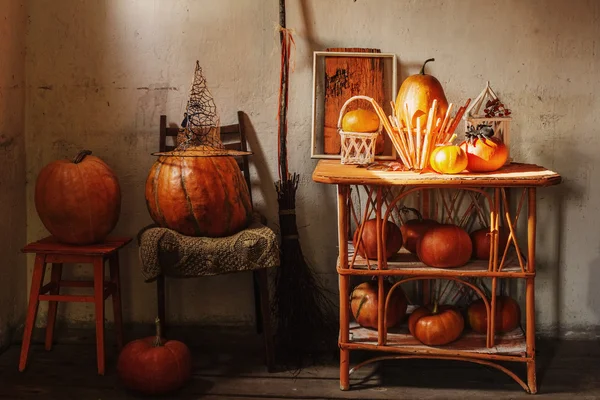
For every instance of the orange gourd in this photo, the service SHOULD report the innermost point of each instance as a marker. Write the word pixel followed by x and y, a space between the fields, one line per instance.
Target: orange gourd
pixel 448 159
pixel 413 229
pixel 481 243
pixel 485 153
pixel 418 92
pixel 445 246
pixel 508 315
pixel 364 302
pixel 78 201
pixel 198 196
pixel 154 365
pixel 436 325
pixel 368 244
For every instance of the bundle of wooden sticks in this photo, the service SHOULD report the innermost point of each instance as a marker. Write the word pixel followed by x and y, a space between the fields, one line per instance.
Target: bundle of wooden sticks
pixel 414 144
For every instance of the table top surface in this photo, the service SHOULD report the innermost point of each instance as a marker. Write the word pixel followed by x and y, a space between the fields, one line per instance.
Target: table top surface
pixel 380 173
pixel 49 245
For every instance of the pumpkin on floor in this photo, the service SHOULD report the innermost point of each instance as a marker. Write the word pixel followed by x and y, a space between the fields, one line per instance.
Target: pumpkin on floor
pixel 198 196
pixel 364 302
pixel 154 365
pixel 78 201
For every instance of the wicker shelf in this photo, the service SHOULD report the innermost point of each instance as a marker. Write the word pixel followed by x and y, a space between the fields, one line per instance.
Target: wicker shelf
pixel 511 344
pixel 405 263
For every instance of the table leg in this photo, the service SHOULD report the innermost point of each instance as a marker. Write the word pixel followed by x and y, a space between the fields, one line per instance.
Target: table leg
pixel 530 290
pixel 115 277
pixel 36 283
pixel 99 305
pixel 56 276
pixel 344 286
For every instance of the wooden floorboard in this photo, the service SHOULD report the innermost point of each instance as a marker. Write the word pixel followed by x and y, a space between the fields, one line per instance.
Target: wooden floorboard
pixel 565 370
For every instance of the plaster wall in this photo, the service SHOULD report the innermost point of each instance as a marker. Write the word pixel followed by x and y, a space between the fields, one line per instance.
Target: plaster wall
pixel 12 166
pixel 100 73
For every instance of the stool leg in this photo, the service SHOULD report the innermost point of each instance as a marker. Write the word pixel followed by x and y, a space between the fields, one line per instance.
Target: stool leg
pixel 53 305
pixel 160 302
pixel 263 283
pixel 116 298
pixel 36 283
pixel 99 303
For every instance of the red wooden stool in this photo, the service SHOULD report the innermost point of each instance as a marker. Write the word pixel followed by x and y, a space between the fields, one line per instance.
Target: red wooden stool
pixel 49 250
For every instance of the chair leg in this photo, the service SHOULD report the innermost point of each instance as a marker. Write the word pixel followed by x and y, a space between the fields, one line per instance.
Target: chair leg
pixel 55 278
pixel 99 305
pixel 263 283
pixel 160 298
pixel 257 301
pixel 36 284
pixel 115 278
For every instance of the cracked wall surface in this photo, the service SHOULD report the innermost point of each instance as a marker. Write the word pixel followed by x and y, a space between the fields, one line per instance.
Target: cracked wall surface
pixel 99 74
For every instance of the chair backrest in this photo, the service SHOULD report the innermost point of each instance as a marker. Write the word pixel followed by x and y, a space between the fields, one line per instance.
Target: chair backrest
pixel 232 136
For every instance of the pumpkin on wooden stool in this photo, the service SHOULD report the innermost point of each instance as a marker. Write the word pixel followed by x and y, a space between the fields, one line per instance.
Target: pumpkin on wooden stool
pixel 154 365
pixel 78 201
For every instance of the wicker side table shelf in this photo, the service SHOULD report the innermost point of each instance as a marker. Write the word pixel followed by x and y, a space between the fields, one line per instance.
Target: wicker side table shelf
pixel 439 197
pixel 50 251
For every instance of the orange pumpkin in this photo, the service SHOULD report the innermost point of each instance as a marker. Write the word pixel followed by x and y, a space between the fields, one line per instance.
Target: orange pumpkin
pixel 445 246
pixel 78 201
pixel 154 365
pixel 368 244
pixel 413 229
pixel 437 325
pixel 364 302
pixel 481 243
pixel 485 154
pixel 418 92
pixel 508 315
pixel 360 120
pixel 449 159
pixel 198 196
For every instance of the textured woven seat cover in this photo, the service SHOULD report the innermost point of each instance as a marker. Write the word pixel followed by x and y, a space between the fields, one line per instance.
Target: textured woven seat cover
pixel 165 251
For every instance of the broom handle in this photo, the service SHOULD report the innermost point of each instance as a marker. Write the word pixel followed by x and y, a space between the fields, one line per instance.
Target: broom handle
pixel 283 96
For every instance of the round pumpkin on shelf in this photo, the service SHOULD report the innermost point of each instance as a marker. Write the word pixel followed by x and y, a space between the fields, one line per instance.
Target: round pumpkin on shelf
pixel 481 239
pixel 78 201
pixel 485 152
pixel 368 244
pixel 436 325
pixel 508 315
pixel 198 196
pixel 154 365
pixel 448 159
pixel 413 229
pixel 445 246
pixel 418 92
pixel 364 302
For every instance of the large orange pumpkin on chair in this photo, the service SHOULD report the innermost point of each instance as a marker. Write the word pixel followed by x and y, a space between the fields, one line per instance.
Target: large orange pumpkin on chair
pixel 198 196
pixel 78 201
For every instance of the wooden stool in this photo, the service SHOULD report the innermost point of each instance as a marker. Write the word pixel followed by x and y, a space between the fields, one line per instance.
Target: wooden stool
pixel 49 250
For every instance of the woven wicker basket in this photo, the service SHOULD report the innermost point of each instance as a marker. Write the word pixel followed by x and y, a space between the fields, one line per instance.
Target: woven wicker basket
pixel 357 147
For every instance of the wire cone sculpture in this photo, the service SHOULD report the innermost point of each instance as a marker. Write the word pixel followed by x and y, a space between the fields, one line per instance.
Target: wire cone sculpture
pixel 200 134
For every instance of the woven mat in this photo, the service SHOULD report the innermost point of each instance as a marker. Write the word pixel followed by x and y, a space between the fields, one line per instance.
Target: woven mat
pixel 164 251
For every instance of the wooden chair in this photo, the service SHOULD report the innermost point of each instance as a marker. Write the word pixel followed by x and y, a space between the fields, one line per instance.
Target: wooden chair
pixel 233 138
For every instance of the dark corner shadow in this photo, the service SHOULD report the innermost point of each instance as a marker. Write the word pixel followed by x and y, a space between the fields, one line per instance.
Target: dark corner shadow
pixel 258 159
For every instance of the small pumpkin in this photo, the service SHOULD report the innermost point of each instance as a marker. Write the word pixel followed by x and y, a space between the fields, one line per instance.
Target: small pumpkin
pixel 78 201
pixel 413 229
pixel 448 159
pixel 198 196
pixel 481 243
pixel 364 302
pixel 436 325
pixel 368 244
pixel 508 315
pixel 360 120
pixel 444 246
pixel 418 92
pixel 154 365
pixel 485 152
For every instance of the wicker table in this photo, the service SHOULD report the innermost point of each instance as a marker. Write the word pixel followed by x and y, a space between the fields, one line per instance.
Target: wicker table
pixel 489 194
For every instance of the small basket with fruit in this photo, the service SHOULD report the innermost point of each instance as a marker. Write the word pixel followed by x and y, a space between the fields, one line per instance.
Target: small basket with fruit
pixel 359 130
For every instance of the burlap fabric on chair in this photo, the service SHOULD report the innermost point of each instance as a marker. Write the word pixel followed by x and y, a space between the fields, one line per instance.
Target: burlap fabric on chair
pixel 165 251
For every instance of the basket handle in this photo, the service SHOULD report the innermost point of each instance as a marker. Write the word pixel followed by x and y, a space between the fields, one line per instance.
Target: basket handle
pixel 351 99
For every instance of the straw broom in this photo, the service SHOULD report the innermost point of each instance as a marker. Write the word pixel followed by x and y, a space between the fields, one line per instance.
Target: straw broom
pixel 305 316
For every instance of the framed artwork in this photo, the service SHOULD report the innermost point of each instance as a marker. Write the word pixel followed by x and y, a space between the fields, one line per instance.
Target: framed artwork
pixel 339 74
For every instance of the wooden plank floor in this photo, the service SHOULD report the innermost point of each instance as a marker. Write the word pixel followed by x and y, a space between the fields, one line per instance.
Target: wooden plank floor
pixel 566 370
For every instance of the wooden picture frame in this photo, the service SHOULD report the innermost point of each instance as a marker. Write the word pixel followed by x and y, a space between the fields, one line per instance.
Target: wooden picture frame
pixel 390 84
